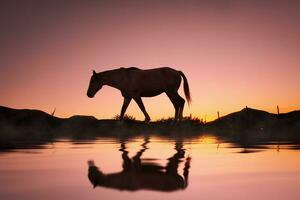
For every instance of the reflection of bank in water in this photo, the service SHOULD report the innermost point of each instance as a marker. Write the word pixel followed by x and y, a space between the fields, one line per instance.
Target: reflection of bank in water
pixel 137 175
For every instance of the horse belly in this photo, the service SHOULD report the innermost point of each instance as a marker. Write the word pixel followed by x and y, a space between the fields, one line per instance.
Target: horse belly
pixel 151 93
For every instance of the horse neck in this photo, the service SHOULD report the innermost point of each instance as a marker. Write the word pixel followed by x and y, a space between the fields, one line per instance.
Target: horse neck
pixel 112 78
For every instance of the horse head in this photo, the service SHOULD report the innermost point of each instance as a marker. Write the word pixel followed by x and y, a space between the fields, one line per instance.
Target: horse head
pixel 94 175
pixel 95 85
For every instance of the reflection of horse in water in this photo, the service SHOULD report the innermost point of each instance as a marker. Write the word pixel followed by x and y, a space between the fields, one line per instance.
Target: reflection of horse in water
pixel 138 175
pixel 135 83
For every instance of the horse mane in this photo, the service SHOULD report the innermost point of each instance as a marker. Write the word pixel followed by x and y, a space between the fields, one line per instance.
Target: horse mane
pixel 130 68
pixel 118 69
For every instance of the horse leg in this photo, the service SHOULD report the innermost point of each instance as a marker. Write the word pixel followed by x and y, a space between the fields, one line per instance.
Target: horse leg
pixel 172 98
pixel 124 107
pixel 139 101
pixel 137 158
pixel 126 160
pixel 175 160
pixel 179 101
pixel 181 106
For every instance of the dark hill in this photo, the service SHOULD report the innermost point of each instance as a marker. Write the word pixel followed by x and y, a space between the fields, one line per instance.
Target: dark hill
pixel 260 122
pixel 33 126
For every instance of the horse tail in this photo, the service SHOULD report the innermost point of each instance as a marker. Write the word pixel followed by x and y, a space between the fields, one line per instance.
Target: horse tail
pixel 186 88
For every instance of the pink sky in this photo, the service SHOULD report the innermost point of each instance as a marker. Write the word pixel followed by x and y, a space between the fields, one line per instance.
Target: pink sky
pixel 234 53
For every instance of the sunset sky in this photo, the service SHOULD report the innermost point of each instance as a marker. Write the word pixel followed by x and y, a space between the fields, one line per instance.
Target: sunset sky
pixel 234 53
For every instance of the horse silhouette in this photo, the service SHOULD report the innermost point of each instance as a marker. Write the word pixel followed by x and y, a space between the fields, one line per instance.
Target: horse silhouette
pixel 137 175
pixel 135 83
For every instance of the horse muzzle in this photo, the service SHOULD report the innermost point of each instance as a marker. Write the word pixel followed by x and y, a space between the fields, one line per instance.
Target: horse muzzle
pixel 90 95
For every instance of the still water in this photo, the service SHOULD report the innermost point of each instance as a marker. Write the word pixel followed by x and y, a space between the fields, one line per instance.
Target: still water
pixel 150 168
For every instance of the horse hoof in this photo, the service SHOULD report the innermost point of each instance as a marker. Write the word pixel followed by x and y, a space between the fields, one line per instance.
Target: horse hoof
pixel 121 122
pixel 176 122
pixel 147 120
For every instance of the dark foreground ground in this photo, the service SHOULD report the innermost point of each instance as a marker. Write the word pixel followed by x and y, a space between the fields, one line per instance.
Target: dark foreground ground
pixel 248 127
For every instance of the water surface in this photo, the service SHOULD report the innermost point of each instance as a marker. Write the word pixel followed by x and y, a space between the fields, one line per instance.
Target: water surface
pixel 150 167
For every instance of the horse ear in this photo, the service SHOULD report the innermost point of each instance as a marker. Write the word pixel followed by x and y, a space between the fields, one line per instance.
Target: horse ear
pixel 94 73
